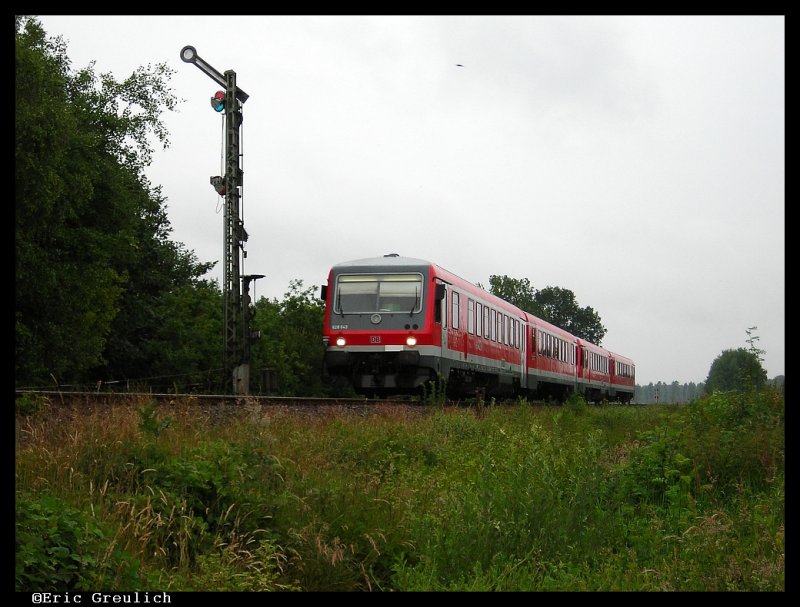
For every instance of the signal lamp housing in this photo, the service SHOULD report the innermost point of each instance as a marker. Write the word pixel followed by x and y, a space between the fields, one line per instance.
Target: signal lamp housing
pixel 218 101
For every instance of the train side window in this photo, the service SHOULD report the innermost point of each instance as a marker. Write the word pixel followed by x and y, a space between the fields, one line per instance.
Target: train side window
pixel 471 312
pixel 479 320
pixel 486 323
pixel 494 325
pixel 455 310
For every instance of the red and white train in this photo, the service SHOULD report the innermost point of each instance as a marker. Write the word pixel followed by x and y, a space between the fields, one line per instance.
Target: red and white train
pixel 394 323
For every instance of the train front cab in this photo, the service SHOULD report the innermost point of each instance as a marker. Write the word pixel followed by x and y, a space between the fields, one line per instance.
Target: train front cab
pixel 379 331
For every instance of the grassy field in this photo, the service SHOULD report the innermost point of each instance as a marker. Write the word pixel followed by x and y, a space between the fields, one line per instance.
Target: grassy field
pixel 517 498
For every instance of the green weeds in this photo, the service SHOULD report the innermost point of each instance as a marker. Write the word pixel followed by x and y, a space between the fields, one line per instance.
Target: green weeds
pixel 512 497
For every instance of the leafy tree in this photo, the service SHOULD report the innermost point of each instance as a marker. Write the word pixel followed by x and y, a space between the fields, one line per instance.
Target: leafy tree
pixel 553 304
pixel 183 350
pixel 66 290
pixel 736 370
pixel 94 266
pixel 517 291
pixel 166 310
pixel 559 307
pixel 291 341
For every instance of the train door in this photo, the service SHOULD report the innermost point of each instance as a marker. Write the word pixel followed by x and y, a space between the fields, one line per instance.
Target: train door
pixel 523 354
pixel 441 316
pixel 456 332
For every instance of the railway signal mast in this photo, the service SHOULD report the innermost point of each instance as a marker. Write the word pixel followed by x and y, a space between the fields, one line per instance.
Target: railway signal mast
pixel 236 297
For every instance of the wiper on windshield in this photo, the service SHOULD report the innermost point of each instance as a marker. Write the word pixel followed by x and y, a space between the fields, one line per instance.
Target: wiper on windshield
pixel 339 300
pixel 416 300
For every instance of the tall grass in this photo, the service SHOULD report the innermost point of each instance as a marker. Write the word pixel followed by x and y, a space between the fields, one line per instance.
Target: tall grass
pixel 522 497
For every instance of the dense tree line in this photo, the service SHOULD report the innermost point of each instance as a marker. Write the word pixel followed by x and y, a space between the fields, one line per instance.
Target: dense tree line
pixel 664 393
pixel 734 370
pixel 288 357
pixel 101 291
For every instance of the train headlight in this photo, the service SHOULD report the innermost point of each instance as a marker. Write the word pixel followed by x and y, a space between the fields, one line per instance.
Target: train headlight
pixel 340 341
pixel 411 341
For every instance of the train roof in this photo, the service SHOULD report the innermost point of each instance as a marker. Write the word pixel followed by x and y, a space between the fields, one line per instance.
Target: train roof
pixel 392 259
pixel 621 358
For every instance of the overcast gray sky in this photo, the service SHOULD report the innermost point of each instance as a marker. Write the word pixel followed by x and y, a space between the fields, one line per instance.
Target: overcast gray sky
pixel 637 161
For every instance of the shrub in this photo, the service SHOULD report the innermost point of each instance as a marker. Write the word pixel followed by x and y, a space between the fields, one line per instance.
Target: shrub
pixel 60 548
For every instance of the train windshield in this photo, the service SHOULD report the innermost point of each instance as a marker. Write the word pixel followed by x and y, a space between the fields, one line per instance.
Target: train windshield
pixel 368 293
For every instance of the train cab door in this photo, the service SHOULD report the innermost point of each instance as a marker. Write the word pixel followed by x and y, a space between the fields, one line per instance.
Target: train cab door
pixel 523 350
pixel 441 314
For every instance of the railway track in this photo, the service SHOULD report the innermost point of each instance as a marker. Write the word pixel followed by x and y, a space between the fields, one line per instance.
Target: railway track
pixel 218 401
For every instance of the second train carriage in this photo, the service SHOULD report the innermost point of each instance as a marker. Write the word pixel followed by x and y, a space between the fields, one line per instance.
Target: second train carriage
pixel 393 324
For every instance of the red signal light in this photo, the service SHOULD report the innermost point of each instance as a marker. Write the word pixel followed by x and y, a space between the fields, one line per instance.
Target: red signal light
pixel 218 101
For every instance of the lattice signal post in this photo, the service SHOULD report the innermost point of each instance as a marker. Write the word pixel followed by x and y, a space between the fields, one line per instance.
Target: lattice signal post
pixel 236 298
